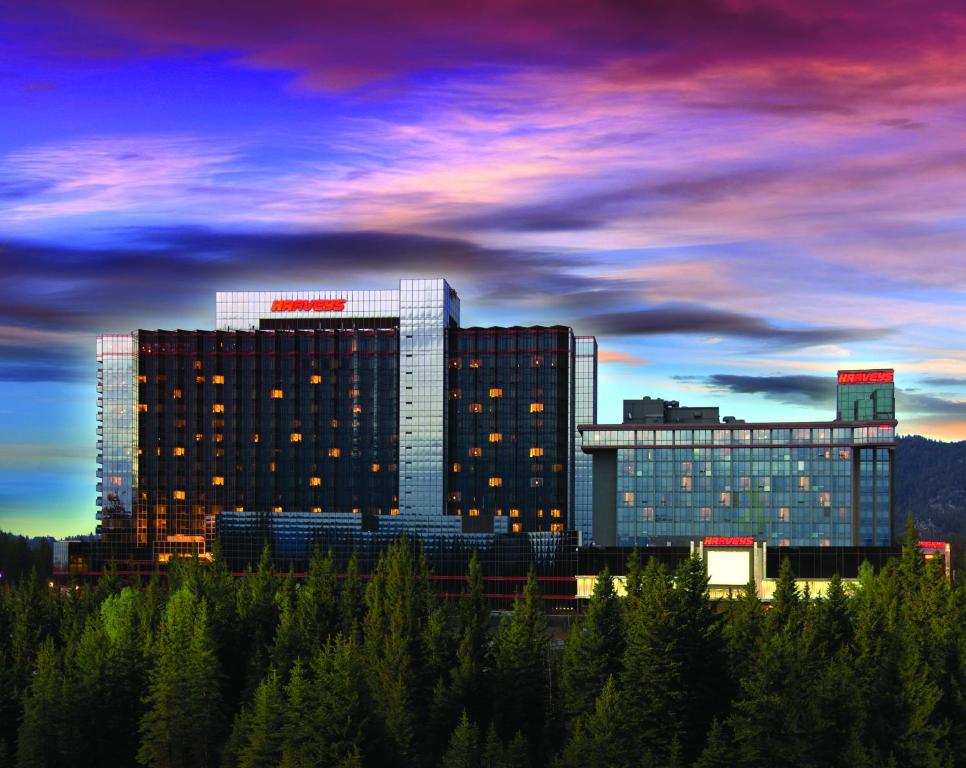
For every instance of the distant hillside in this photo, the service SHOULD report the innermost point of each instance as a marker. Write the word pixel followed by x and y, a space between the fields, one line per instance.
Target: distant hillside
pixel 931 484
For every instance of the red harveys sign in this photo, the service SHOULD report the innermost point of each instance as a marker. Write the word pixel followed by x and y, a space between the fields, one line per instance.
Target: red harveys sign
pixel 932 544
pixel 729 541
pixel 865 377
pixel 308 305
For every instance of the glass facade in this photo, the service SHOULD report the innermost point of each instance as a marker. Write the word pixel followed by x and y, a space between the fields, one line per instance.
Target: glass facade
pixel 585 412
pixel 339 414
pixel 865 395
pixel 823 484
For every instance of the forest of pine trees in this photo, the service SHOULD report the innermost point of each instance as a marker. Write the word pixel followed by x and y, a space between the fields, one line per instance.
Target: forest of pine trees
pixel 198 668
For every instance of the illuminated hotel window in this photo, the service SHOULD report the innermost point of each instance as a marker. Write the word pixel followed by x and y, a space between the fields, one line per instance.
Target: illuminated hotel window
pixel 476 451
pixel 176 394
pixel 199 379
pixel 536 482
pixel 181 423
pixel 496 392
pixel 178 451
pixel 315 481
pixel 142 379
pixel 334 423
pixel 514 513
pixel 317 510
pixel 276 509
pixel 296 437
pixel 454 394
pixel 394 510
pixel 277 394
pixel 536 452
pixel 537 361
pixel 803 483
pixel 199 437
pixel 685 483
pixel 217 379
pixel 178 495
pixel 496 482
pixel 356 510
pixel 256 438
pixel 219 437
pixel 499 512
pixel 517 527
pixel 217 480
pixel 556 527
pixel 628 498
pixel 456 466
pixel 354 392
pixel 375 467
pixel 218 408
pixel 473 512
pixel 705 514
pixel 725 499
pixel 315 379
pixel 335 453
pixel 558 467
pixel 495 437
pixel 239 509
pixel 197 365
pixel 271 467
pixel 474 363
pixel 143 407
pixel 357 409
pixel 554 513
pixel 539 513
pixel 536 407
pixel 455 363
pixel 476 408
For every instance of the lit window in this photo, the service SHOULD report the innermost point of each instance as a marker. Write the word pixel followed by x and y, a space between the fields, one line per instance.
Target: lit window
pixel 803 483
pixel 317 510
pixel 271 467
pixel 357 409
pixel 276 509
pixel 219 437
pixel 356 510
pixel 536 407
pixel 514 513
pixel 473 512
pixel 217 480
pixel 455 363
pixel 256 438
pixel 334 423
pixel 335 453
pixel 142 379
pixel 628 498
pixel 277 394
pixel 176 394
pixel 495 482
pixel 178 494
pixel 536 482
pixel 517 527
pixel 197 365
pixel 537 361
pixel 315 481
pixel 558 467
pixel 705 514
pixel 239 509
pixel 495 437
pixel 499 512
pixel 554 513
pixel 394 511
pixel 784 514
pixel 496 392
pixel 142 407
pixel 375 467
pixel 354 392
pixel 296 437
pixel 456 466
pixel 199 379
pixel 315 379
pixel 539 513
pixel 725 499
pixel 536 452
pixel 218 408
pixel 474 363
pixel 217 379
pixel 199 437
pixel 476 451
pixel 454 394
pixel 556 527
pixel 476 408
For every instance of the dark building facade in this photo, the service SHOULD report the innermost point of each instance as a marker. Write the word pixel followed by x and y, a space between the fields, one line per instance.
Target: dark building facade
pixel 343 416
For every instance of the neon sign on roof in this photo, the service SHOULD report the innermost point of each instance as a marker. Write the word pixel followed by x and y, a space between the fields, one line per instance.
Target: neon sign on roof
pixel 729 541
pixel 308 305
pixel 865 377
pixel 932 544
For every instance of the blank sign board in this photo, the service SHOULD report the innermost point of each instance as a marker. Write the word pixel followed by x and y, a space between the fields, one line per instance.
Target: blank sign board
pixel 729 568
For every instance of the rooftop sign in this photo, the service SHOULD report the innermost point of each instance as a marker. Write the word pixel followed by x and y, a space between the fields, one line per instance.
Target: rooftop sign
pixel 932 544
pixel 865 377
pixel 729 541
pixel 308 305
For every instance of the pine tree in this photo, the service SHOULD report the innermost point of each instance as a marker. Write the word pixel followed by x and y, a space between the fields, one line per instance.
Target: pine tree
pixel 318 602
pixel 264 742
pixel 182 724
pixel 39 741
pixel 594 649
pixel 718 751
pixel 519 680
pixel 353 602
pixel 464 746
pixel 258 616
pixel 468 686
pixel 635 575
pixel 599 740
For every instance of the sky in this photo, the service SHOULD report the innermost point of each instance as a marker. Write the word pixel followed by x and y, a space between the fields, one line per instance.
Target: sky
pixel 737 197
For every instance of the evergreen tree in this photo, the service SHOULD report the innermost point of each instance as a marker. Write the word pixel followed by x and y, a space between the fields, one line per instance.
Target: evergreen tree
pixel 353 601
pixel 598 740
pixel 468 684
pixel 635 575
pixel 464 746
pixel 182 724
pixel 258 617
pixel 594 649
pixel 264 742
pixel 718 751
pixel 39 741
pixel 318 602
pixel 519 680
